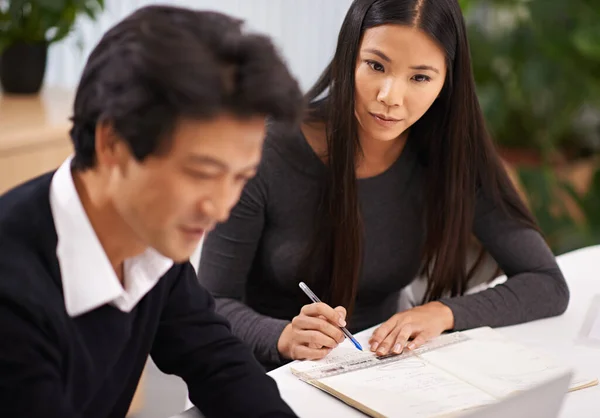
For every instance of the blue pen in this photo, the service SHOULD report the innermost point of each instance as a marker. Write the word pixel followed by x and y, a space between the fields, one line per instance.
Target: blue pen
pixel 315 299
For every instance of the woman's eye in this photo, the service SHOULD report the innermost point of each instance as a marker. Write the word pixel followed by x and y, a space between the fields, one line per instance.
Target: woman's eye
pixel 420 78
pixel 375 65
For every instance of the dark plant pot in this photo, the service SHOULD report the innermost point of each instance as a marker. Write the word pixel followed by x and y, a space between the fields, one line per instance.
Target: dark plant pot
pixel 22 67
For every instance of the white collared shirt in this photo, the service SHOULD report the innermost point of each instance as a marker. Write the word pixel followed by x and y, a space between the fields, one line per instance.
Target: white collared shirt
pixel 88 278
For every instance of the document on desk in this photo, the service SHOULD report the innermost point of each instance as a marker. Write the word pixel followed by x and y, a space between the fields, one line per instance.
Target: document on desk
pixel 442 382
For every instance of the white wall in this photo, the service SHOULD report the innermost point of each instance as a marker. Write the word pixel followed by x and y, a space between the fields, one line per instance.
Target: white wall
pixel 304 30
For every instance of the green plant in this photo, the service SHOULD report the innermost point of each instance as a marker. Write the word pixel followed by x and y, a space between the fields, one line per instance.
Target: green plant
pixel 35 21
pixel 537 69
pixel 568 219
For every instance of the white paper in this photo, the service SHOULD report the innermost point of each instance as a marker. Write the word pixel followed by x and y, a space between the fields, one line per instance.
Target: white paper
pixel 465 375
pixel 346 351
pixel 410 388
pixel 496 364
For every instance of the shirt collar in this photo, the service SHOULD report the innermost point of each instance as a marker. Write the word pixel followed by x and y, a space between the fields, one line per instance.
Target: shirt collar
pixel 88 279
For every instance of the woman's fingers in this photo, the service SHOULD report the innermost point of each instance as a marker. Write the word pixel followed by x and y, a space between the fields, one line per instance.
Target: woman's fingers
pixel 303 322
pixel 308 353
pixel 381 333
pixel 316 309
pixel 404 335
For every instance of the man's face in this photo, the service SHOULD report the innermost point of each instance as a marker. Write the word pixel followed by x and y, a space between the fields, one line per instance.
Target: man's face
pixel 170 200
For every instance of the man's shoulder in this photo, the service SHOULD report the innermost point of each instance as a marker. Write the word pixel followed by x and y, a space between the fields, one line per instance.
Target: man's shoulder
pixel 29 282
pixel 19 203
pixel 28 246
pixel 27 228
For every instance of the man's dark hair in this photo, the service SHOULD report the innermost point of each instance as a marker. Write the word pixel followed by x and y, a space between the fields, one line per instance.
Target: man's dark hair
pixel 161 64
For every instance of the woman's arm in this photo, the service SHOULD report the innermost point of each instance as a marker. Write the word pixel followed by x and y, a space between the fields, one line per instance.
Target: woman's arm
pixel 227 256
pixel 535 287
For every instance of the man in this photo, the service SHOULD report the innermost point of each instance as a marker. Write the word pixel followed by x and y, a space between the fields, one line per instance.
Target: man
pixel 168 125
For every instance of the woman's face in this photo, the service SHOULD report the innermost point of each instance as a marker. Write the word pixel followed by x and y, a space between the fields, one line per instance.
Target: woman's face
pixel 399 73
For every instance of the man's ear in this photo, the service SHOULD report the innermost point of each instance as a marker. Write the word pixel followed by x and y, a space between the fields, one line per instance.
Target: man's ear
pixel 111 150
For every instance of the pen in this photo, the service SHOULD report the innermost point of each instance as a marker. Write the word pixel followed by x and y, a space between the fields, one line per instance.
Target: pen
pixel 315 299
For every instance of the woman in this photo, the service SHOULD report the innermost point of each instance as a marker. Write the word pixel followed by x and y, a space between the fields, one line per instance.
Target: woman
pixel 390 175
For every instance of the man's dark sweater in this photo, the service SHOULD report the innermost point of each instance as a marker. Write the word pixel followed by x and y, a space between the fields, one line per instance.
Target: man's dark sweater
pixel 55 366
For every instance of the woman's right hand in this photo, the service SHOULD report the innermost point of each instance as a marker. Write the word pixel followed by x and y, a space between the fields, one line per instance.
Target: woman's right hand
pixel 313 333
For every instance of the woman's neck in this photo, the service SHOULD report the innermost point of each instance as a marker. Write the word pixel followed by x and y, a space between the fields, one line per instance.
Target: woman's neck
pixel 377 156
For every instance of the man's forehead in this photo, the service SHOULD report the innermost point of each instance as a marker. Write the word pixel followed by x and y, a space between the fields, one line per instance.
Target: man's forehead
pixel 221 133
pixel 224 164
pixel 223 122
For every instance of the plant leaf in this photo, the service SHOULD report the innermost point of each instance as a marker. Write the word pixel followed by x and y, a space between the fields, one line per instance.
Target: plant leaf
pixel 65 24
pixel 54 6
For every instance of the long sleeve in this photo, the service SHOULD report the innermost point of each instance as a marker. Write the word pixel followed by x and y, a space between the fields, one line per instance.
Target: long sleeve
pixel 30 382
pixel 535 287
pixel 227 256
pixel 194 342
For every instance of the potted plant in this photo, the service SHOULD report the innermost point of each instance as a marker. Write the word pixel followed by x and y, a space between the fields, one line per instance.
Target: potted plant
pixel 27 28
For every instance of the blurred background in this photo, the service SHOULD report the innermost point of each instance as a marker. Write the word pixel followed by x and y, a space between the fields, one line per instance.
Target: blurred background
pixel 536 64
pixel 537 69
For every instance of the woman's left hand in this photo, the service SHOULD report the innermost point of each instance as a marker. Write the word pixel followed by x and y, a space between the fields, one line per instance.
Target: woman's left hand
pixel 420 323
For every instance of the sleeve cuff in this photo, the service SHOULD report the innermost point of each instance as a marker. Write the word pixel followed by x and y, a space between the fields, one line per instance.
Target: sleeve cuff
pixel 460 314
pixel 275 328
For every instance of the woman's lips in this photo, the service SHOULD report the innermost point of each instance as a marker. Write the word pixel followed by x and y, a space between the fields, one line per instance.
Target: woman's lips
pixel 385 121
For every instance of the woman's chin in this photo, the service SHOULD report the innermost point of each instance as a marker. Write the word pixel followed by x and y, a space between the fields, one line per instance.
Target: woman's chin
pixel 386 136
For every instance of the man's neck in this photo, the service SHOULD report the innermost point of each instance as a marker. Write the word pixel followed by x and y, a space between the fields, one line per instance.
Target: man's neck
pixel 114 234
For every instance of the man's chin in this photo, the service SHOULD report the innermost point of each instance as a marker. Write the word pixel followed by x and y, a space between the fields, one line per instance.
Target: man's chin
pixel 178 255
pixel 181 259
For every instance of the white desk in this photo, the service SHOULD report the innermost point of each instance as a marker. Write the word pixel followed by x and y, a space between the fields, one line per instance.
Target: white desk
pixel 554 335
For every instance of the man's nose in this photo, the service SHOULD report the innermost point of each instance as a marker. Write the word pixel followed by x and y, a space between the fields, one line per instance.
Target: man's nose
pixel 219 201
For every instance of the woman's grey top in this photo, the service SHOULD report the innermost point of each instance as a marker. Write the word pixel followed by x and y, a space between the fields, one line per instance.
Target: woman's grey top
pixel 250 263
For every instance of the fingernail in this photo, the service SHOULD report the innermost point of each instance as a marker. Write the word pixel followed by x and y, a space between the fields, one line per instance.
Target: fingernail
pixel 374 346
pixel 411 346
pixel 342 322
pixel 398 348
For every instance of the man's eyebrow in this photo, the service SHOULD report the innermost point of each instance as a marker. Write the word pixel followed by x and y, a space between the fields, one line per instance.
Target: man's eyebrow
pixel 206 160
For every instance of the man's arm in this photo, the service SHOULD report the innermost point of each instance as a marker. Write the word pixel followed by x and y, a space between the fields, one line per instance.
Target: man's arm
pixel 30 379
pixel 223 377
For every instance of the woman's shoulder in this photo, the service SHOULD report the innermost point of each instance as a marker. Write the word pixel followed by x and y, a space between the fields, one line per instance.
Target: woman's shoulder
pixel 287 148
